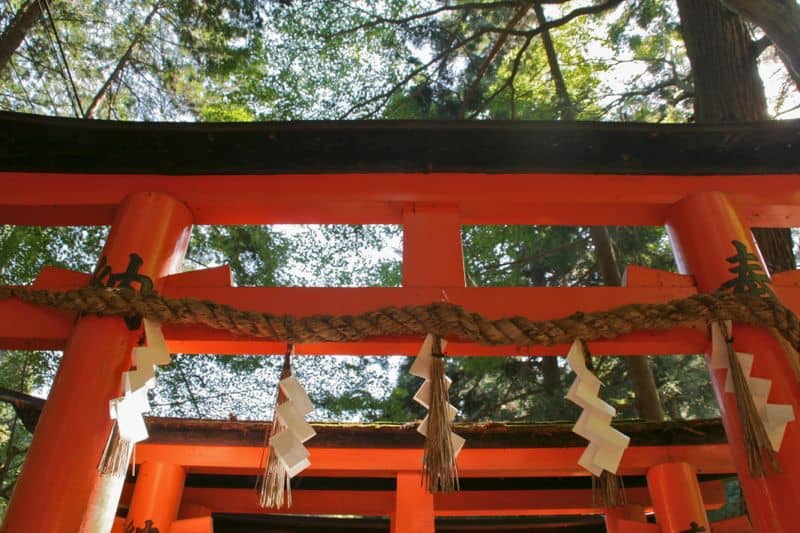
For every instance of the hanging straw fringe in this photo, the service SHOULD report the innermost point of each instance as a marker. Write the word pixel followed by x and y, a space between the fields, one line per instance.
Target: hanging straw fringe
pixel 439 471
pixel 116 455
pixel 275 483
pixel 756 441
pixel 608 490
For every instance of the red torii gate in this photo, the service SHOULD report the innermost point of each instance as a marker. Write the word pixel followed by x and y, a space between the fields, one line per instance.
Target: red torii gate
pixel 153 182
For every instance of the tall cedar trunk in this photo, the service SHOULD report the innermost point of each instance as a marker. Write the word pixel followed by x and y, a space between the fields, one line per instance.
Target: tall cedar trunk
pixel 551 376
pixel 728 88
pixel 648 403
pixel 15 33
pixel 780 20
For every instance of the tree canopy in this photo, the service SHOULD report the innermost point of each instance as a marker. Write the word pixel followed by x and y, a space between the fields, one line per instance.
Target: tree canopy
pixel 242 60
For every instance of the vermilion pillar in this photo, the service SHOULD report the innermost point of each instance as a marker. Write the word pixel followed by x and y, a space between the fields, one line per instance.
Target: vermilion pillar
pixel 413 509
pixel 156 497
pixel 57 483
pixel 677 500
pixel 432 252
pixel 702 228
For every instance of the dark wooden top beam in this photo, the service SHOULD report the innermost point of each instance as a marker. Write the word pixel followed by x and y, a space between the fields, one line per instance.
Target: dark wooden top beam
pixel 490 435
pixel 30 143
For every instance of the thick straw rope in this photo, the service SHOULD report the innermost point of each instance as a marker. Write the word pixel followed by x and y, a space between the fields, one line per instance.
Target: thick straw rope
pixel 443 319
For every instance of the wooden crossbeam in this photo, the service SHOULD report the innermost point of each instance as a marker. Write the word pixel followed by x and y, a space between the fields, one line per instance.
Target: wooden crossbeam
pixel 464 503
pixel 374 462
pixel 80 199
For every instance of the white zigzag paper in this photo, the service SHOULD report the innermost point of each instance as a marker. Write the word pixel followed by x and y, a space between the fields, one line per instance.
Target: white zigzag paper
pixel 128 409
pixel 606 444
pixel 422 369
pixel 287 443
pixel 774 416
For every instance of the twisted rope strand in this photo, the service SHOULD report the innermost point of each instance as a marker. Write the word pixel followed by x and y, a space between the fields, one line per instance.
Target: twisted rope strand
pixel 443 319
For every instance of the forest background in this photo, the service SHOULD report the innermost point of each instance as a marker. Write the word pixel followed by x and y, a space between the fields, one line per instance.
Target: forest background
pixel 246 60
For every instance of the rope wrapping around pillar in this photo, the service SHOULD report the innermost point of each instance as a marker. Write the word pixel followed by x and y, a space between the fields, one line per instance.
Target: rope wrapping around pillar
pixel 442 318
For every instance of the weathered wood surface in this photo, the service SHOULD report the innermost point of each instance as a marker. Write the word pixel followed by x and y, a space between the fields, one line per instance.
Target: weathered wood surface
pixel 488 435
pixel 44 144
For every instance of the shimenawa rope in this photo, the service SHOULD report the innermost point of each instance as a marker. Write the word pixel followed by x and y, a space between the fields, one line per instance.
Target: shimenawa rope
pixel 442 319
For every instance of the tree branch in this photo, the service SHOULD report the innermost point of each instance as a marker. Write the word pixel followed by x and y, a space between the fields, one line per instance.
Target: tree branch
pixel 498 45
pixel 467 6
pixel 385 95
pixel 121 64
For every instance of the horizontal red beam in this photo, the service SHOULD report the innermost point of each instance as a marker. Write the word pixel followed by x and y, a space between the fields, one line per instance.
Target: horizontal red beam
pixel 70 199
pixel 477 462
pixel 464 503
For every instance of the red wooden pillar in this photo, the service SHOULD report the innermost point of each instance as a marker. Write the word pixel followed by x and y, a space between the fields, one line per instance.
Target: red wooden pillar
pixel 60 473
pixel 432 255
pixel 156 497
pixel 413 507
pixel 677 500
pixel 702 228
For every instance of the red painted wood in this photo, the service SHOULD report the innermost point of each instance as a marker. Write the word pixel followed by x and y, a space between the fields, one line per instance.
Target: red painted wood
pixel 413 505
pixel 702 228
pixel 156 496
pixel 60 472
pixel 69 199
pixel 472 462
pixel 677 500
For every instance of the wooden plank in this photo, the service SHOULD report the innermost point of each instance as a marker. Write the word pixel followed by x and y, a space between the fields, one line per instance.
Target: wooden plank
pixel 69 199
pixel 36 143
pixel 479 435
pixel 464 503
pixel 373 462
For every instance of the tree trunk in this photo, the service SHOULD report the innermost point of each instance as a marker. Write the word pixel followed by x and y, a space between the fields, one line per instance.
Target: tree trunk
pixel 14 34
pixel 648 403
pixel 728 88
pixel 121 64
pixel 780 20
pixel 551 376
pixel 566 109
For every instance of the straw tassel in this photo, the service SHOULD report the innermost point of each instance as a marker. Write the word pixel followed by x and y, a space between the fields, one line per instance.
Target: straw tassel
pixel 608 489
pixel 760 451
pixel 275 486
pixel 116 455
pixel 287 455
pixel 439 470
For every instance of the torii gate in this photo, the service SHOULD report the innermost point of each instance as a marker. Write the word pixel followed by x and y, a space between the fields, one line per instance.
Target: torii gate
pixel 152 182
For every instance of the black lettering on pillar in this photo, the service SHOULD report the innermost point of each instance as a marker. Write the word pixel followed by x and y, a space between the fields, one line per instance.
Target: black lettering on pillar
pixel 148 528
pixel 103 276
